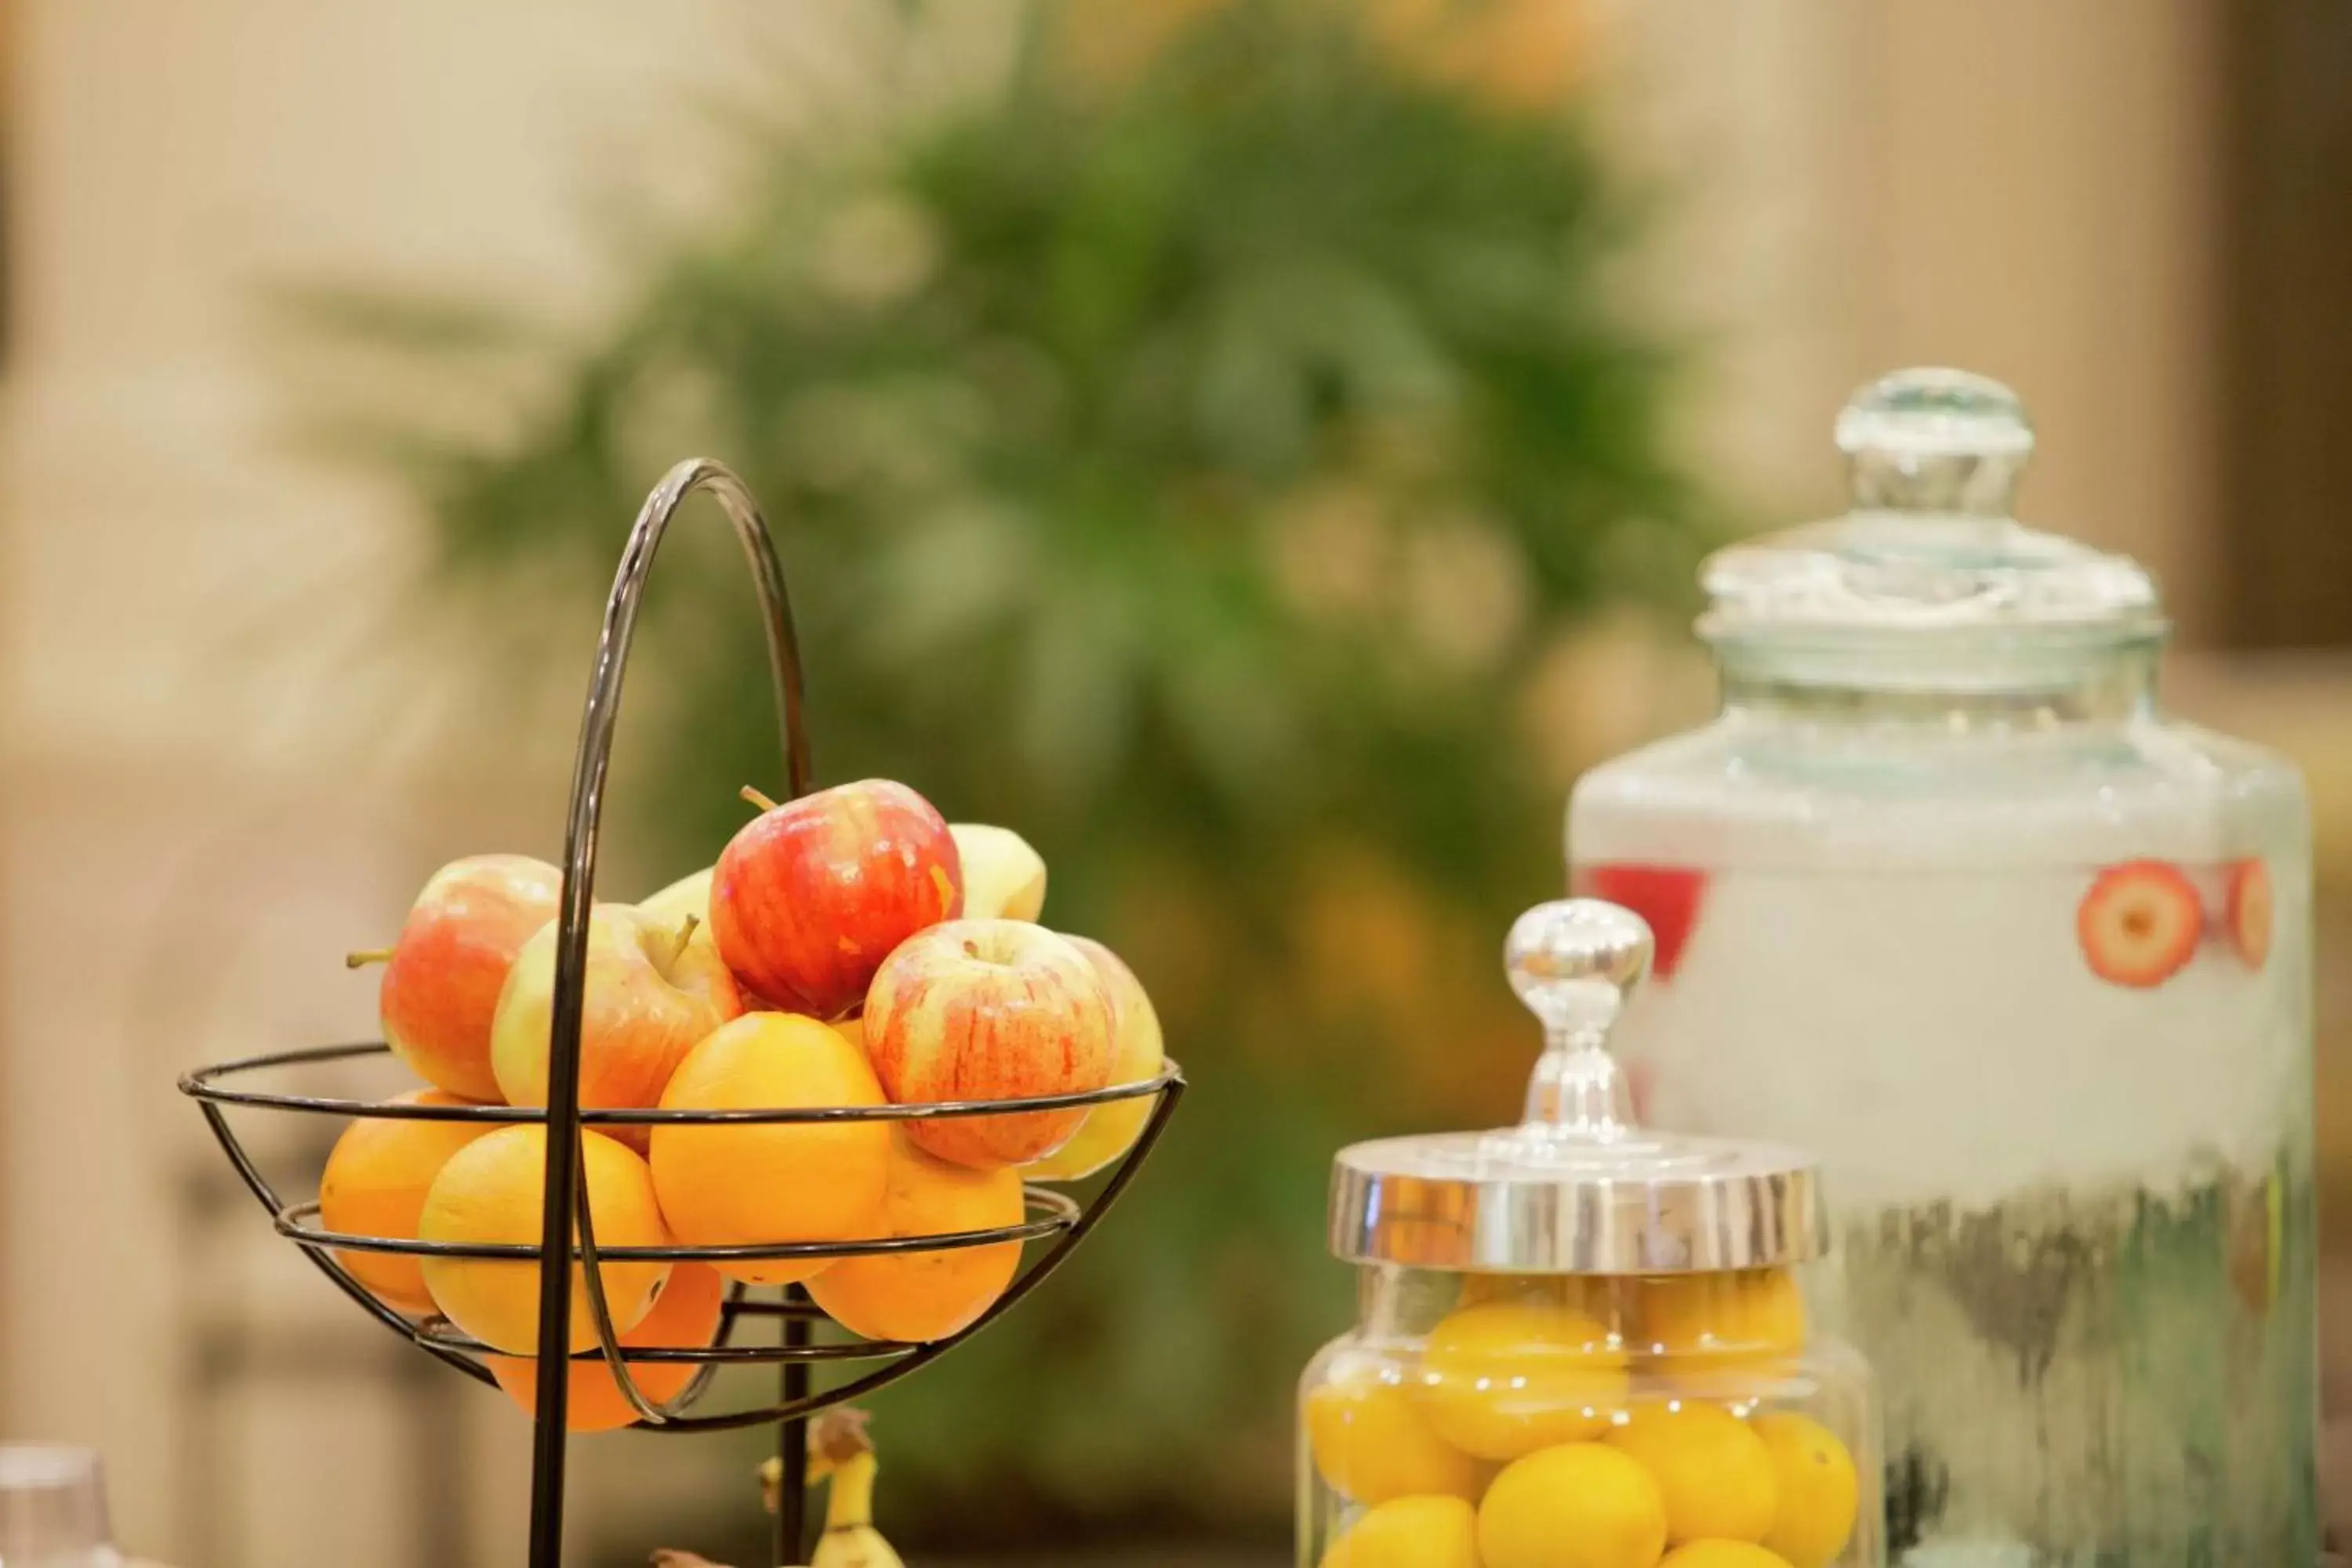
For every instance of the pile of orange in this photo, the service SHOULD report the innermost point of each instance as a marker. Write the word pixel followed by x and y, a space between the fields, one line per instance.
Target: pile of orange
pixel 1566 1423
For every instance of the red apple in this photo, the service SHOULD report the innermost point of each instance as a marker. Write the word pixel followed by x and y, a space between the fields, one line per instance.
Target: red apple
pixel 441 978
pixel 653 991
pixel 813 895
pixel 990 1010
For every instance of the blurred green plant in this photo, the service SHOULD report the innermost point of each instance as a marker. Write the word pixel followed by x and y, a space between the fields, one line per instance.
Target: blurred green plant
pixel 1186 464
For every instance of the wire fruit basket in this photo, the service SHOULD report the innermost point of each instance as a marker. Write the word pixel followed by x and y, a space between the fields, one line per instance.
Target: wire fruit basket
pixel 567 1234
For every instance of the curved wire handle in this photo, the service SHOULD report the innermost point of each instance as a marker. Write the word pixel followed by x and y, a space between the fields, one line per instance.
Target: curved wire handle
pixel 565 1193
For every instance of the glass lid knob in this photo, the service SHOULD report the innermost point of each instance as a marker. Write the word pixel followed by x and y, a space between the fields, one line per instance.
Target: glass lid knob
pixel 1573 962
pixel 1936 440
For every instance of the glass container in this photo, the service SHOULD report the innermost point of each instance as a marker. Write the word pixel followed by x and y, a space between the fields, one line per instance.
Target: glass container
pixel 53 1509
pixel 1580 1345
pixel 1944 896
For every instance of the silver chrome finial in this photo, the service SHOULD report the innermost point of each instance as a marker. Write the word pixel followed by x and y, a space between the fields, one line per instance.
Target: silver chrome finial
pixel 1573 962
pixel 1936 440
pixel 1577 1188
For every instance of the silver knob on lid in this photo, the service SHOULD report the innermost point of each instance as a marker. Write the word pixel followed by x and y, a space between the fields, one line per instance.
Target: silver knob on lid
pixel 1576 1188
pixel 1936 440
pixel 1573 962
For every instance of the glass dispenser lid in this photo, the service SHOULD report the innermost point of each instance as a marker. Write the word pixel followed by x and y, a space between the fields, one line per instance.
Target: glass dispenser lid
pixel 1576 1187
pixel 1930 545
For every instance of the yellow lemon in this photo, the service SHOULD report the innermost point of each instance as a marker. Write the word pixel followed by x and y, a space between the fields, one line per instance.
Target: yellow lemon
pixel 1721 1323
pixel 1712 1468
pixel 1370 1444
pixel 1410 1532
pixel 1579 1293
pixel 1505 1378
pixel 1578 1505
pixel 1723 1554
pixel 1818 1491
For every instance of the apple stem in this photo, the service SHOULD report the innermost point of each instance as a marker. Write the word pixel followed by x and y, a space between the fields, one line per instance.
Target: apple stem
pixel 366 956
pixel 686 930
pixel 756 798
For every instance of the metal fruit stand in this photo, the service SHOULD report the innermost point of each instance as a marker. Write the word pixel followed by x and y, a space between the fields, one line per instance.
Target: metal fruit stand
pixel 869 1364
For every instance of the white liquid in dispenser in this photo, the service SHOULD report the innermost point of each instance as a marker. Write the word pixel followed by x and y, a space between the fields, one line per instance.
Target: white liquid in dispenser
pixel 2051 1044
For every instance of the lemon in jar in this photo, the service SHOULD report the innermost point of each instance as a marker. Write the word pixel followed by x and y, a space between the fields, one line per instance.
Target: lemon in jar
pixel 1575 1505
pixel 1714 1472
pixel 1370 1442
pixel 1818 1491
pixel 1704 1325
pixel 1501 1379
pixel 1410 1532
pixel 1591 1297
pixel 1723 1554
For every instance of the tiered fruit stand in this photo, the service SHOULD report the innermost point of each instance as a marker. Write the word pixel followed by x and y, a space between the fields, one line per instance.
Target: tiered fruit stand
pixel 1050 1216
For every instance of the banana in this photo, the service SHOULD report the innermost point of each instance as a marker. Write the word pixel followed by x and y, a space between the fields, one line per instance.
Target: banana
pixel 841 1452
pixel 850 1540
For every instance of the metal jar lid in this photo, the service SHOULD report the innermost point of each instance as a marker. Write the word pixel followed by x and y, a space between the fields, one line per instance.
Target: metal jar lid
pixel 1576 1188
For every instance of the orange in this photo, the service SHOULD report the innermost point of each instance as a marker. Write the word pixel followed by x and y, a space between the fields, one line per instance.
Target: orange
pixel 1410 1532
pixel 1578 1505
pixel 1710 1466
pixel 741 1186
pixel 1504 1378
pixel 685 1317
pixel 492 1191
pixel 1371 1443
pixel 374 1185
pixel 1818 1491
pixel 921 1296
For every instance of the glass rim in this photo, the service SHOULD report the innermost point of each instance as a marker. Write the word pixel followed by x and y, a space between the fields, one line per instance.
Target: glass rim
pixel 40 1464
pixel 1968 660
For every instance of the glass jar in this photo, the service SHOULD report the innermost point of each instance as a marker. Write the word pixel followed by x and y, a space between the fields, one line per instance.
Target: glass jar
pixel 1944 896
pixel 53 1509
pixel 1579 1344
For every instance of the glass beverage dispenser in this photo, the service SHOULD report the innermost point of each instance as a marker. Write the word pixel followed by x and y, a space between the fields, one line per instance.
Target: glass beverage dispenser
pixel 1942 894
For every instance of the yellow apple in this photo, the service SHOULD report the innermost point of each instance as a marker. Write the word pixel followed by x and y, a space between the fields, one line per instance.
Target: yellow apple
pixel 654 992
pixel 1004 878
pixel 687 896
pixel 1136 1054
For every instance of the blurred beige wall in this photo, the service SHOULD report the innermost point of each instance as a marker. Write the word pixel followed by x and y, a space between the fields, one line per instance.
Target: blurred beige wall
pixel 207 802
pixel 223 764
pixel 2021 189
